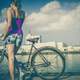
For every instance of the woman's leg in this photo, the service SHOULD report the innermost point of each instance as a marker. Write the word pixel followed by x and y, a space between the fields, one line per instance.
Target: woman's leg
pixel 10 51
pixel 12 46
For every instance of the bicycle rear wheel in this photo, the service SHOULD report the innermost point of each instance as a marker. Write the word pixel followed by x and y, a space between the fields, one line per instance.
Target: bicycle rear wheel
pixel 48 63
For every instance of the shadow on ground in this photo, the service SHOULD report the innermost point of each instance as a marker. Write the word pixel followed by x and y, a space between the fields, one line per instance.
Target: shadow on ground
pixel 35 77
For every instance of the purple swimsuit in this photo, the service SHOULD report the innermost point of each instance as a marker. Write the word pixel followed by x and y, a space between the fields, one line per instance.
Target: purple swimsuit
pixel 16 26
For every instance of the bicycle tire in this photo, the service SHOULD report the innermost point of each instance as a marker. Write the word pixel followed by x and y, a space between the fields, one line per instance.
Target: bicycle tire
pixel 46 75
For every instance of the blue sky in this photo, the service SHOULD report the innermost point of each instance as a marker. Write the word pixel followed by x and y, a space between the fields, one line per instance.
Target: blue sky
pixel 35 5
pixel 54 20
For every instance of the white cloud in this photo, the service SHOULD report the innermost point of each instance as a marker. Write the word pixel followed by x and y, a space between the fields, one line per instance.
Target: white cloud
pixel 50 7
pixel 52 17
pixel 2 20
pixel 2 26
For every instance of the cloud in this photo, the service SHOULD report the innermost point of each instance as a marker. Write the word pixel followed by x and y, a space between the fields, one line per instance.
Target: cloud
pixel 2 20
pixel 55 22
pixel 2 26
pixel 50 7
pixel 53 17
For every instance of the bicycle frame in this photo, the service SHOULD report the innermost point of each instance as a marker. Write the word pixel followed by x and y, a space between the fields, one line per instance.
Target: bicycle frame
pixel 43 58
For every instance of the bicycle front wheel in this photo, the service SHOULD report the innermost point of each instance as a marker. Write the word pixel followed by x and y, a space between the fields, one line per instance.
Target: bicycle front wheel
pixel 48 63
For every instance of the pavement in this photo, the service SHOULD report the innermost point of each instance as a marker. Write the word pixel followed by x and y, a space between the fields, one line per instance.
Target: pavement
pixel 69 76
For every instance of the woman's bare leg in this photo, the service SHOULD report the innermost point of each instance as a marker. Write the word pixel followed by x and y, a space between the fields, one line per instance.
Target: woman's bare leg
pixel 10 51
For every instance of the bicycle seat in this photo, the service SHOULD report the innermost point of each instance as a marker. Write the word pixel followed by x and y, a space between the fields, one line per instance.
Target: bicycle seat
pixel 33 40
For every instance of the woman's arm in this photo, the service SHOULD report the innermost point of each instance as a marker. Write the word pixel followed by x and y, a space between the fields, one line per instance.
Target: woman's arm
pixel 8 22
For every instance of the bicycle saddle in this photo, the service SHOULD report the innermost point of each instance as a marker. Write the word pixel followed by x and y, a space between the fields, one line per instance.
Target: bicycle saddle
pixel 33 40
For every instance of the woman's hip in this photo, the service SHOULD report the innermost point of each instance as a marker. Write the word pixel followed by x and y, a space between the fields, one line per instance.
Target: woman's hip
pixel 15 39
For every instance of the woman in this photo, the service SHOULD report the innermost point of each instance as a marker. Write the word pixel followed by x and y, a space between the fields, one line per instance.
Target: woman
pixel 13 33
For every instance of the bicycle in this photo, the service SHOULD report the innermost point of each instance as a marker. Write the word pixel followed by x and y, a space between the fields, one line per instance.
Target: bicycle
pixel 43 62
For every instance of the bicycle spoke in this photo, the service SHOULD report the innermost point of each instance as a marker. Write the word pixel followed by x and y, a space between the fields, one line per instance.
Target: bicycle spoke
pixel 53 67
pixel 43 58
pixel 39 65
pixel 55 56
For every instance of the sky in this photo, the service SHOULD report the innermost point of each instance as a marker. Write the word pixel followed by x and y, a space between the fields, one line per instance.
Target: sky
pixel 54 20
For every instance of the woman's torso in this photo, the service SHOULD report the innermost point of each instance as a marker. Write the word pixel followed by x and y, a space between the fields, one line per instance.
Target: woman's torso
pixel 16 24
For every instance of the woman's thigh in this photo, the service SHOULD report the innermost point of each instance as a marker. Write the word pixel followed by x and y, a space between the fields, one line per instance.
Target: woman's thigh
pixel 10 50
